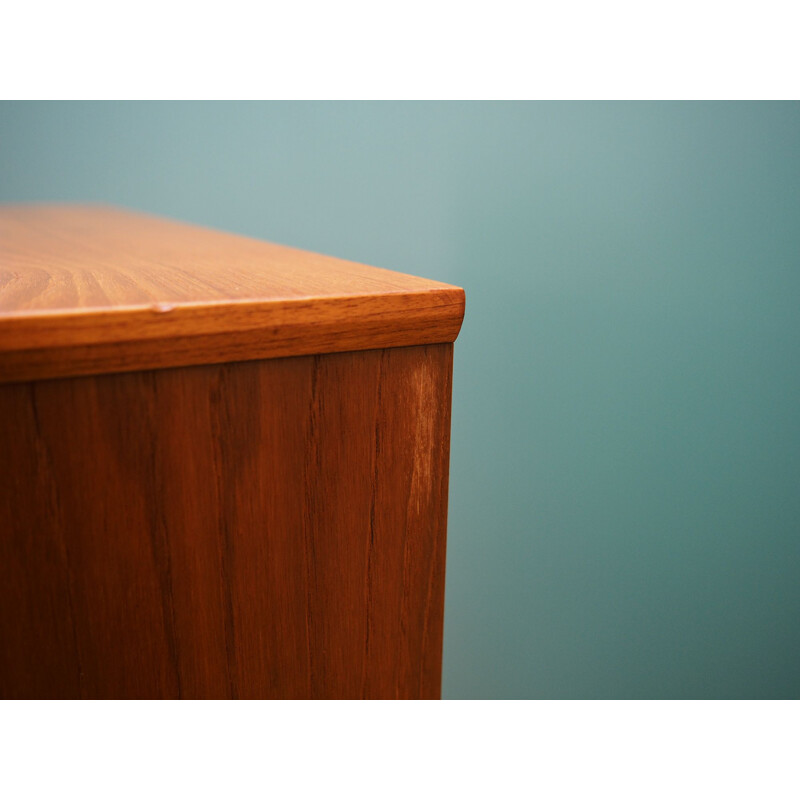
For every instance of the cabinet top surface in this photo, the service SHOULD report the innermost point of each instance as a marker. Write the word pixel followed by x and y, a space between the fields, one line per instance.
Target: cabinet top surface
pixel 84 276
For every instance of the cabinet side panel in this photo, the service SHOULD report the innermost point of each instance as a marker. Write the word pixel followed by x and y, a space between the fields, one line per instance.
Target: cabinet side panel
pixel 269 529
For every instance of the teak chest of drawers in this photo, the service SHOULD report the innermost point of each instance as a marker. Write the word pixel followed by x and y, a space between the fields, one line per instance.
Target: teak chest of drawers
pixel 223 465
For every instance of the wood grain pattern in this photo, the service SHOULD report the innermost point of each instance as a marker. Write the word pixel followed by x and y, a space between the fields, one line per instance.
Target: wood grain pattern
pixel 268 529
pixel 91 289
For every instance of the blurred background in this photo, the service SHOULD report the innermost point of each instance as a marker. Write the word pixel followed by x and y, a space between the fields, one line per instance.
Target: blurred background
pixel 625 478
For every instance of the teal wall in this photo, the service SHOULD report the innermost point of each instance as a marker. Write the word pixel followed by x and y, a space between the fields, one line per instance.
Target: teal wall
pixel 625 483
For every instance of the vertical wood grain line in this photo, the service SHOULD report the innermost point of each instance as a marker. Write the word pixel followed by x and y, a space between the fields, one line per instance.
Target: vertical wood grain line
pixel 46 459
pixel 376 454
pixel 159 532
pixel 217 419
pixel 423 407
pixel 310 511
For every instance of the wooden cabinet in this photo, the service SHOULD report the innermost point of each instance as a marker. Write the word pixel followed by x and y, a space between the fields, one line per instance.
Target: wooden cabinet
pixel 223 465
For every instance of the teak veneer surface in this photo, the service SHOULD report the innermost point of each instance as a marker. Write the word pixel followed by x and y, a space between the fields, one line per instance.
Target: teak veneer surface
pixel 93 289
pixel 266 529
pixel 223 465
